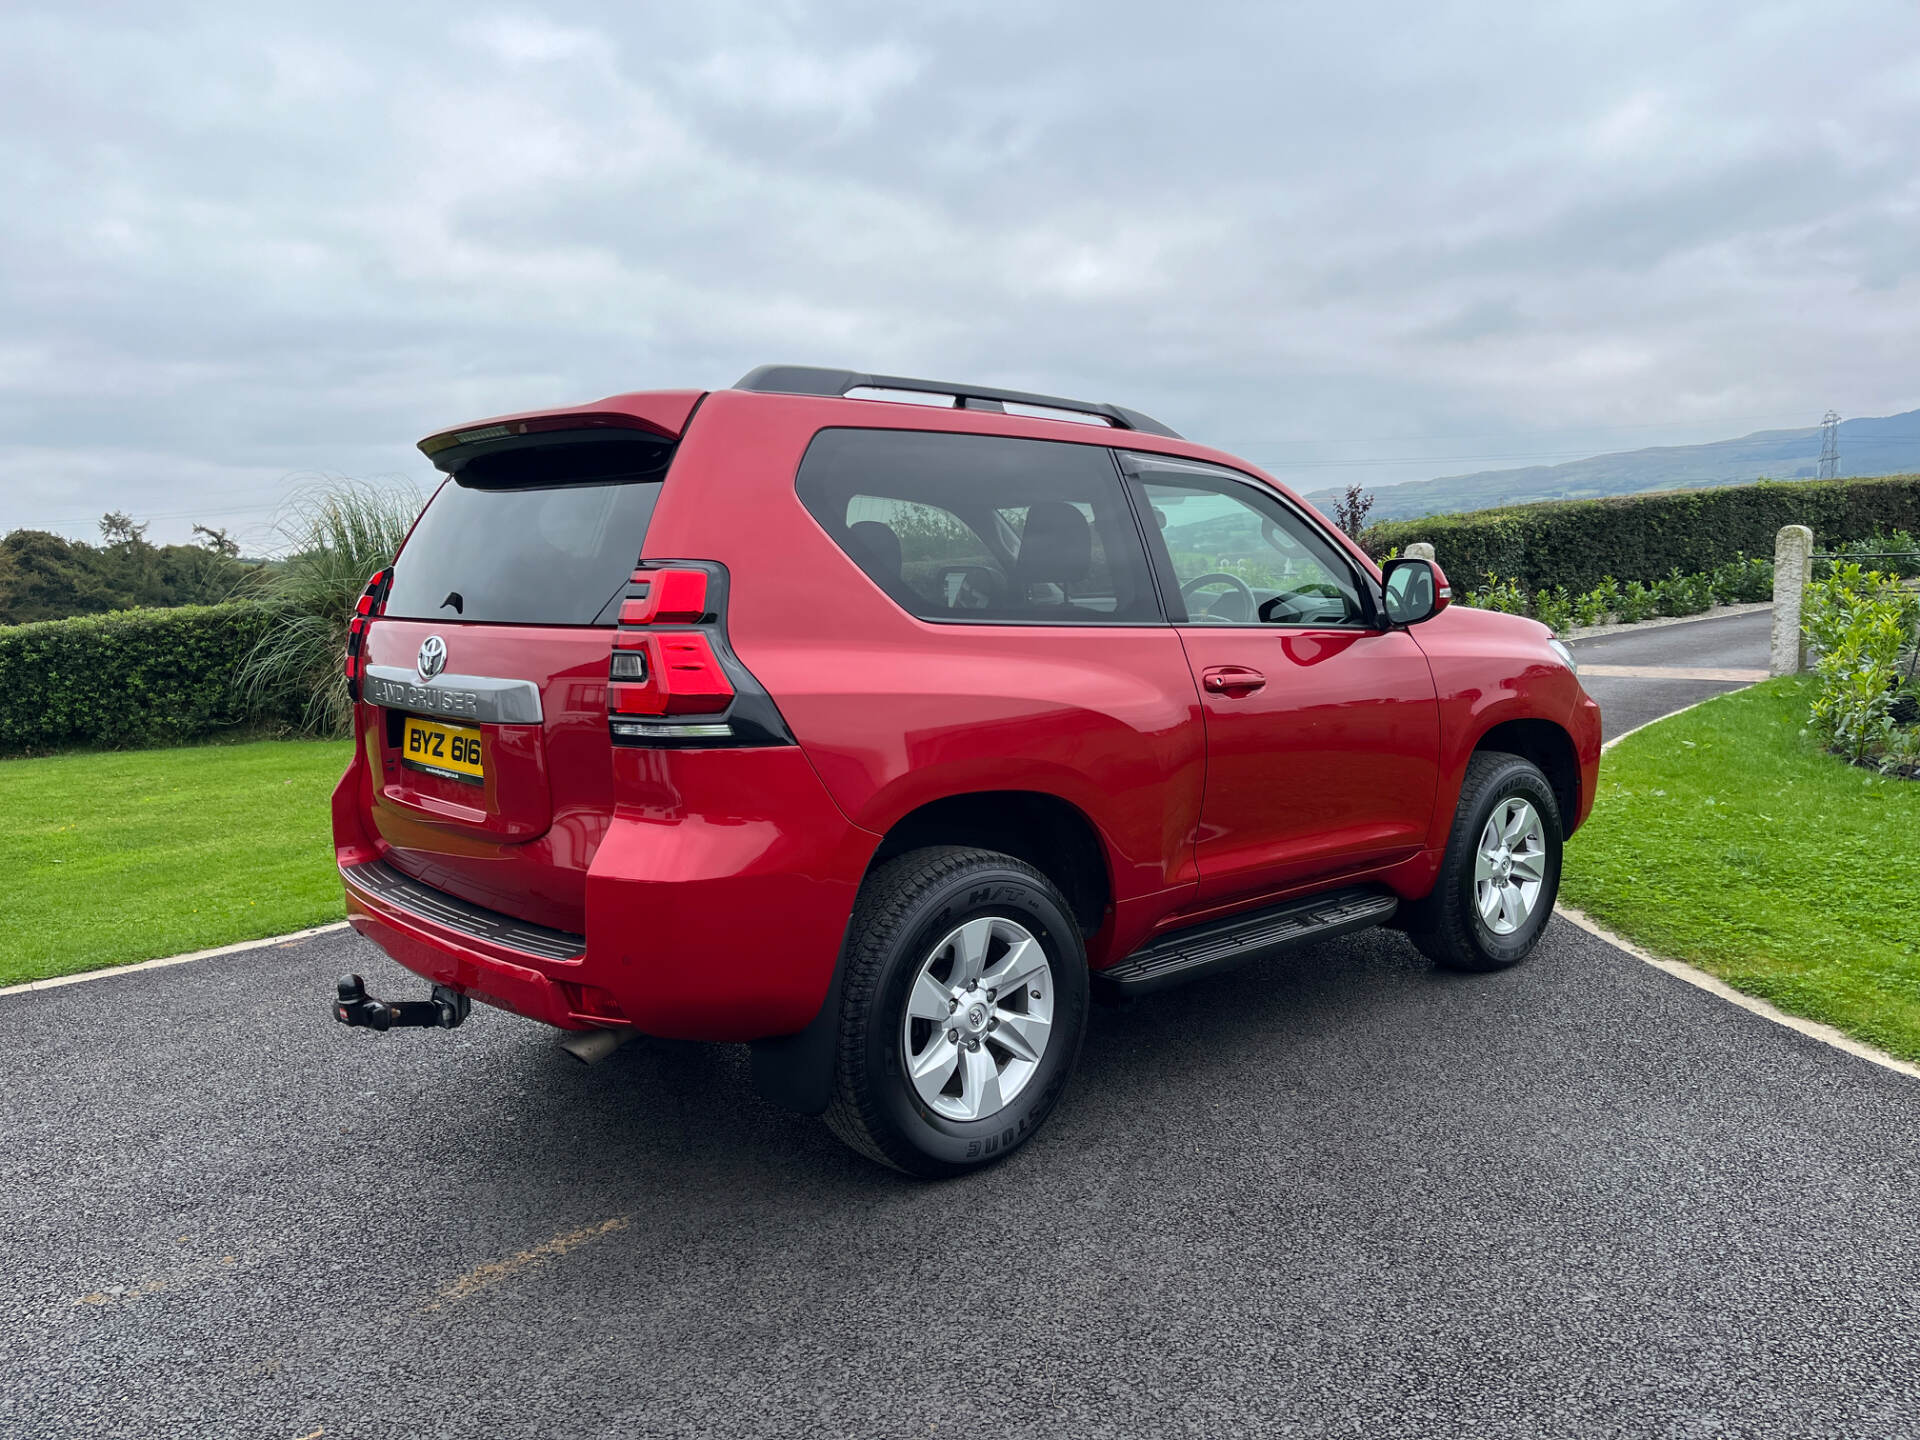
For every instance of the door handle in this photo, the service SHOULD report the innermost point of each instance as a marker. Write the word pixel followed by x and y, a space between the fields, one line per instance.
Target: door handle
pixel 1232 680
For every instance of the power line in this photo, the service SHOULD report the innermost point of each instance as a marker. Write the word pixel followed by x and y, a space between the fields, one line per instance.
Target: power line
pixel 1830 445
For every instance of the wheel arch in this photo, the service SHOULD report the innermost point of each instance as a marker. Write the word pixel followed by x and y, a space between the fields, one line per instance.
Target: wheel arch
pixel 1050 833
pixel 1550 748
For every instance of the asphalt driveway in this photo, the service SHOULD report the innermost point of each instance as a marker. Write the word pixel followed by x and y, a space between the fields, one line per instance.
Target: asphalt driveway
pixel 1640 673
pixel 1339 1193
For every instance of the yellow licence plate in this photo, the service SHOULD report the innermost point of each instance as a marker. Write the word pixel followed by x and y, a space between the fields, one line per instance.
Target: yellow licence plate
pixel 450 750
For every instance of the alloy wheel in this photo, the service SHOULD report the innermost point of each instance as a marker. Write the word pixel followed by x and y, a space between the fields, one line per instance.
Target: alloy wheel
pixel 979 1014
pixel 1510 865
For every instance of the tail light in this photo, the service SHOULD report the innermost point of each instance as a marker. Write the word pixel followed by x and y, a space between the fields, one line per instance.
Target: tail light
pixel 672 678
pixel 369 605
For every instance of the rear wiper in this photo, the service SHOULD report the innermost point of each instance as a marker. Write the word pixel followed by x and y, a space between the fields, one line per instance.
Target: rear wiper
pixel 453 599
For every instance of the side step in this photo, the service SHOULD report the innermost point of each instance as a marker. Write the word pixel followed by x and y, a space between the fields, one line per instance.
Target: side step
pixel 1208 949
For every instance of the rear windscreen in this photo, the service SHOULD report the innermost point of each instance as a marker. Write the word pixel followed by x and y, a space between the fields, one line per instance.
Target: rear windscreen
pixel 528 543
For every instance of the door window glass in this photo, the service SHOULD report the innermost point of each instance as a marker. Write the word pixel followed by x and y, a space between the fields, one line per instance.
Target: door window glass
pixel 1241 558
pixel 983 528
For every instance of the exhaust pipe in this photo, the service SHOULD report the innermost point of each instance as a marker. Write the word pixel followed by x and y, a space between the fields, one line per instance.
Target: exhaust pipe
pixel 590 1047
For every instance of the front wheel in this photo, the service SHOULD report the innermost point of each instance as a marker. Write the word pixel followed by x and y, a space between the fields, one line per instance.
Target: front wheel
pixel 963 1006
pixel 1501 873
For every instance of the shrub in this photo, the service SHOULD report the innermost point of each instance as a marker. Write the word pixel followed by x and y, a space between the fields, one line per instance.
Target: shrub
pixel 1860 624
pixel 1574 543
pixel 1679 594
pixel 1552 608
pixel 1635 603
pixel 340 533
pixel 1505 596
pixel 1902 752
pixel 1597 604
pixel 1742 581
pixel 1892 552
pixel 128 678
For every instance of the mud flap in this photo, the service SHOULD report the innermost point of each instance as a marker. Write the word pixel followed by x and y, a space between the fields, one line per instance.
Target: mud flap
pixel 796 1071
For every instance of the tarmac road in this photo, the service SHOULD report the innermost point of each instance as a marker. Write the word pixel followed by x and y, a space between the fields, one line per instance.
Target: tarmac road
pixel 1337 1193
pixel 1741 643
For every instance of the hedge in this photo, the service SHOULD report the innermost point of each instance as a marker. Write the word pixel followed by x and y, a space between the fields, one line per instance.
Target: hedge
pixel 1578 543
pixel 129 678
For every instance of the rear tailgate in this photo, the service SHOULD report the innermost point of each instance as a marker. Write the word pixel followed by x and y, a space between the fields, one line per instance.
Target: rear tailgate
pixel 483 716
pixel 517 836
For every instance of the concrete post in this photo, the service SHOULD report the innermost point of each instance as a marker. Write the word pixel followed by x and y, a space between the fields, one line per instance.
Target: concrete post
pixel 1418 550
pixel 1792 568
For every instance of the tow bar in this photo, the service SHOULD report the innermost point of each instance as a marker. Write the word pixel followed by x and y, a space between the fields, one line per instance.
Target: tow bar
pixel 444 1011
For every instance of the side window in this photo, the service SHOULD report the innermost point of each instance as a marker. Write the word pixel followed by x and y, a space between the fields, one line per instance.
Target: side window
pixel 1241 557
pixel 983 528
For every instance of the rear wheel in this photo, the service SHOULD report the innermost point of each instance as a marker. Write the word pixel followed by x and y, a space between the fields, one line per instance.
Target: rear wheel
pixel 1501 873
pixel 963 1005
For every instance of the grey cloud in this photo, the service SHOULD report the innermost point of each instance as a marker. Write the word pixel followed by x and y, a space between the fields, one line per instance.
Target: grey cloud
pixel 251 242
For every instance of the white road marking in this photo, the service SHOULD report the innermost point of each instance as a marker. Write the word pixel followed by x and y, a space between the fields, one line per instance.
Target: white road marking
pixel 1655 721
pixel 57 981
pixel 1700 979
pixel 1675 672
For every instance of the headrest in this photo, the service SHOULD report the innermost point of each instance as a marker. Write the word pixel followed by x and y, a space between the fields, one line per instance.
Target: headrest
pixel 1056 545
pixel 876 547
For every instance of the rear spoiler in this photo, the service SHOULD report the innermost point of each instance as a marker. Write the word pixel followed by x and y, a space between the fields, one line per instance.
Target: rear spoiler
pixel 661 414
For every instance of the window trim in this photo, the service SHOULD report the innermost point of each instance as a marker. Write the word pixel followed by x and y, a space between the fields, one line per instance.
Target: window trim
pixel 1167 580
pixel 1124 490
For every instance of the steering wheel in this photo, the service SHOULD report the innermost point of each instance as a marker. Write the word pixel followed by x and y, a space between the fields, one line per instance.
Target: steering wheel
pixel 1235 581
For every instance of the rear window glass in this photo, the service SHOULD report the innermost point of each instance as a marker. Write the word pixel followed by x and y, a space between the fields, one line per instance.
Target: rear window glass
pixel 982 527
pixel 513 549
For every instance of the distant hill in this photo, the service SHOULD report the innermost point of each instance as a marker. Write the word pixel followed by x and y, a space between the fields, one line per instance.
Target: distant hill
pixel 1888 445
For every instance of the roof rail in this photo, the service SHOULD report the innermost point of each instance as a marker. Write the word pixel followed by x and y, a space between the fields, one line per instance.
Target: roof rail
pixel 815 380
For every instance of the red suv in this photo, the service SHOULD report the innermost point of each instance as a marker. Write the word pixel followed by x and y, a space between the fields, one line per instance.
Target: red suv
pixel 878 722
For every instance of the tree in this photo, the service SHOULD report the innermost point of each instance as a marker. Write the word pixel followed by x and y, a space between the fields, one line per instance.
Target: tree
pixel 218 541
pixel 48 577
pixel 117 528
pixel 1351 513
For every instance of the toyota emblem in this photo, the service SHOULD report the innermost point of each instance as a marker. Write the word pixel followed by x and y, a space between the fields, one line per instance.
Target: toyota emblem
pixel 433 658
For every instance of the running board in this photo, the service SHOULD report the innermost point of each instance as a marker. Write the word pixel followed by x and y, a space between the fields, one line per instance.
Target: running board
pixel 1208 949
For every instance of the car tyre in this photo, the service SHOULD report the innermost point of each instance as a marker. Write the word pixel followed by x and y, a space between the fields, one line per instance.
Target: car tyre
pixel 916 925
pixel 1501 872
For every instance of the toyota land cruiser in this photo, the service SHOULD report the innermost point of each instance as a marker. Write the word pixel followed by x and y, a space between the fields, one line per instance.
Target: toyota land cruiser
pixel 875 722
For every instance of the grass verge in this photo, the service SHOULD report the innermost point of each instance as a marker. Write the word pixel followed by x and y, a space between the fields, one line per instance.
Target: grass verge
pixel 1726 838
pixel 131 855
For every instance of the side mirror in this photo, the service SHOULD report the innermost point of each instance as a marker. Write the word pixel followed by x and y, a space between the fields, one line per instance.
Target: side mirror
pixel 1416 590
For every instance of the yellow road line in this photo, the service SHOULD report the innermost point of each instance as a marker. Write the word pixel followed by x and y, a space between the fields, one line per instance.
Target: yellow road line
pixel 484 1277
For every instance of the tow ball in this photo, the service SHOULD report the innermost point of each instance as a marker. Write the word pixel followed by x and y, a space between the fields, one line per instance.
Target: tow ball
pixel 444 1011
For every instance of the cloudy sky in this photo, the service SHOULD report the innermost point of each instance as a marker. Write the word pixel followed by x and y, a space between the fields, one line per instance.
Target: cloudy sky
pixel 241 244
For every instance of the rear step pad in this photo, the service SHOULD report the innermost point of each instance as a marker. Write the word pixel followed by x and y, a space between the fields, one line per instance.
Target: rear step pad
pixel 1208 949
pixel 383 882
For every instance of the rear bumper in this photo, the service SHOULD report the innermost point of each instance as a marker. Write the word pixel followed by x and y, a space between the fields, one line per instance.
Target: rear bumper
pixel 716 905
pixel 497 976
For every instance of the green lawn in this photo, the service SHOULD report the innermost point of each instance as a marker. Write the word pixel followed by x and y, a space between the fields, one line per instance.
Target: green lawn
pixel 114 857
pixel 1726 838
